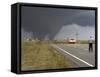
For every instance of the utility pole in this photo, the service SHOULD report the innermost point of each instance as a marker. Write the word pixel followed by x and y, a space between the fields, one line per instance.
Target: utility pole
pixel 77 36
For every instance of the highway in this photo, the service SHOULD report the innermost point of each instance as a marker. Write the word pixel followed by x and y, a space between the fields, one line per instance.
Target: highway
pixel 78 54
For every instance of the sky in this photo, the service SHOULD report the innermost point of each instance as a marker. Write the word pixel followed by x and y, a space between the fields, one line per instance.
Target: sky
pixel 59 24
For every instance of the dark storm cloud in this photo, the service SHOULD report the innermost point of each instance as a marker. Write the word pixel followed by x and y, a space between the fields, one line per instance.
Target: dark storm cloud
pixel 48 21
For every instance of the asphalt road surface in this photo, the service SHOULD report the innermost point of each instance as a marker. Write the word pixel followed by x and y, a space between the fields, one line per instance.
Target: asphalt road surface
pixel 78 54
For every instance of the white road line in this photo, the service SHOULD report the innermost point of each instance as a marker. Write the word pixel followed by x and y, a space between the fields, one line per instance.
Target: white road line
pixel 74 56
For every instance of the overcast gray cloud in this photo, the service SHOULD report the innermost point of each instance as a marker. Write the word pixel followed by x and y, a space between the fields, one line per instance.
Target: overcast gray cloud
pixel 75 31
pixel 48 22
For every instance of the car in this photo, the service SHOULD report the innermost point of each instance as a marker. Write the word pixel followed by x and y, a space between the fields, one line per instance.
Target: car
pixel 72 41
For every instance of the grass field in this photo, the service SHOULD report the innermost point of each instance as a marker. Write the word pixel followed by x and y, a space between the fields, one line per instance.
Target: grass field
pixel 40 56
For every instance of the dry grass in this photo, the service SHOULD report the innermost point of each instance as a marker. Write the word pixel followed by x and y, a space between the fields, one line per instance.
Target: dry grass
pixel 40 56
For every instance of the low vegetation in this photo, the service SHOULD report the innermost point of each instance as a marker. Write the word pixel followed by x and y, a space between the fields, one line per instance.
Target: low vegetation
pixel 40 56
